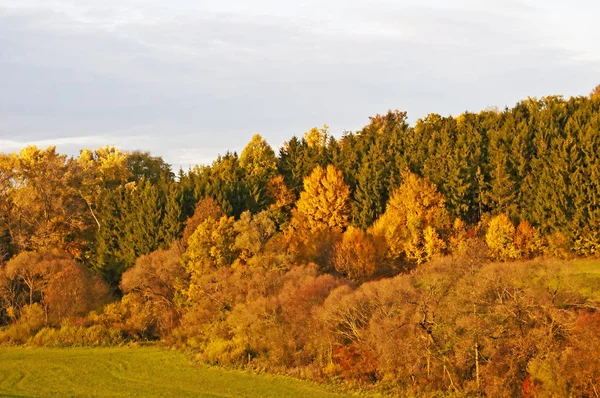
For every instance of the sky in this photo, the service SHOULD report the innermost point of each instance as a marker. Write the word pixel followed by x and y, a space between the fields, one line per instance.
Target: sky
pixel 190 79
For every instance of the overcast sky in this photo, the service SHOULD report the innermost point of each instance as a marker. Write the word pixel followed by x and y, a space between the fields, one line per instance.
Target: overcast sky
pixel 189 79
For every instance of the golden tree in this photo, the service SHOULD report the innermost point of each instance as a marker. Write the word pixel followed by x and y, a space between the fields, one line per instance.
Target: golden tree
pixel 320 216
pixel 317 138
pixel 47 208
pixel 325 201
pixel 206 208
pixel 211 246
pixel 358 255
pixel 281 197
pixel 500 238
pixel 100 169
pixel 258 159
pixel 528 239
pixel 414 209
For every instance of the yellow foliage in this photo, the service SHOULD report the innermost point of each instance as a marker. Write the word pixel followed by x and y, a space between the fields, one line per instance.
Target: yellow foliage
pixel 558 245
pixel 42 189
pixel 358 254
pixel 282 198
pixel 317 138
pixel 458 240
pixel 107 164
pixel 500 238
pixel 528 239
pixel 211 245
pixel 258 158
pixel 307 246
pixel 433 244
pixel 412 208
pixel 325 201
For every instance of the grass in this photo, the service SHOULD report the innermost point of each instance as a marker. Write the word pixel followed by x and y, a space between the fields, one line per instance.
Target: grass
pixel 133 372
pixel 584 275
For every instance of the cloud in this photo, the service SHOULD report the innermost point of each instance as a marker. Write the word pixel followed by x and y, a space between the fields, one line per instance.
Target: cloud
pixel 192 79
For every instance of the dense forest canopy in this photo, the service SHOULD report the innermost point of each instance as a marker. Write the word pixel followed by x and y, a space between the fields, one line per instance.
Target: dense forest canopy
pixel 197 257
pixel 535 162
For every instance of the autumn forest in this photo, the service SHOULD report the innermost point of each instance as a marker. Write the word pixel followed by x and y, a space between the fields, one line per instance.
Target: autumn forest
pixel 457 255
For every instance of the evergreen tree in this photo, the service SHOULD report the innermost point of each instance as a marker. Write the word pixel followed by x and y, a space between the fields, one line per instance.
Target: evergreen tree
pixel 259 164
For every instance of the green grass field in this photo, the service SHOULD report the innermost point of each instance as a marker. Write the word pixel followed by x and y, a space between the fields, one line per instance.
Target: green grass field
pixel 584 276
pixel 133 372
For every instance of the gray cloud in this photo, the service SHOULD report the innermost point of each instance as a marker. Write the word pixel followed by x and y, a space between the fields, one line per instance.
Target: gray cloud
pixel 188 81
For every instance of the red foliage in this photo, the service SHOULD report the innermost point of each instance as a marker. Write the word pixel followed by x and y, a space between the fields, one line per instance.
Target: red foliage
pixel 528 389
pixel 357 363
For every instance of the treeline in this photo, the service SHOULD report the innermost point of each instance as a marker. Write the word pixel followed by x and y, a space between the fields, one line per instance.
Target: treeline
pixel 261 259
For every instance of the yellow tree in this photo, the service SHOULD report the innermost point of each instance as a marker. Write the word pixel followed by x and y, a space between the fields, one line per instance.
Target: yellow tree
pixel 6 191
pixel 104 166
pixel 358 255
pixel 206 208
pixel 258 159
pixel 101 169
pixel 281 197
pixel 47 210
pixel 500 238
pixel 317 138
pixel 259 164
pixel 595 94
pixel 325 201
pixel 320 216
pixel 528 240
pixel 414 221
pixel 211 246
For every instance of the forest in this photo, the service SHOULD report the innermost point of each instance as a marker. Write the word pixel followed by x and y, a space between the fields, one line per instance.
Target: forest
pixel 457 256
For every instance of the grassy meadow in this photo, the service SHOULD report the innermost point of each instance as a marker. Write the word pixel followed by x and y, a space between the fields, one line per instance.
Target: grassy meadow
pixel 581 275
pixel 133 372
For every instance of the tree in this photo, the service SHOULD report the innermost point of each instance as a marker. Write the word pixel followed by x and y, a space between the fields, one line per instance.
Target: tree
pixel 253 233
pixel 500 238
pixel 282 199
pixel 7 247
pixel 206 208
pixel 226 185
pixel 47 209
pixel 171 227
pixel 595 94
pixel 413 208
pixel 60 285
pixel 372 184
pixel 325 201
pixel 358 255
pixel 211 246
pixel 105 167
pixel 291 163
pixel 260 164
pixel 137 219
pixel 528 240
pixel 501 192
pixel 317 138
pixel 258 159
pixel 102 169
pixel 144 166
pixel 298 158
pixel 155 283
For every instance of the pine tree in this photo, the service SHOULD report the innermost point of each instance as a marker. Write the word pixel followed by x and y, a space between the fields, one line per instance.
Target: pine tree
pixel 260 165
pixel 172 222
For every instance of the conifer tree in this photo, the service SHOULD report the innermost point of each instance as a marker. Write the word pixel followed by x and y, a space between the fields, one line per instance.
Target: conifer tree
pixel 172 222
pixel 260 165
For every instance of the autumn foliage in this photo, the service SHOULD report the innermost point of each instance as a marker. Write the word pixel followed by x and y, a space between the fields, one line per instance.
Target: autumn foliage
pixel 428 260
